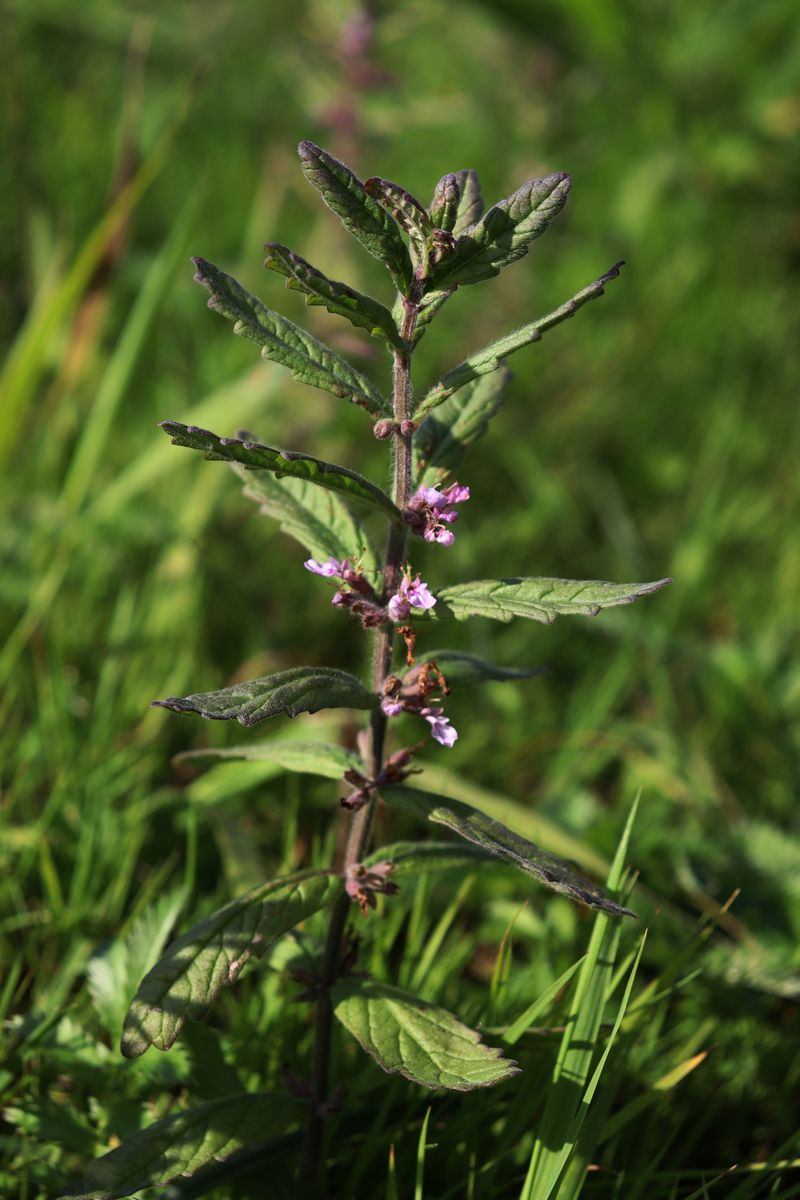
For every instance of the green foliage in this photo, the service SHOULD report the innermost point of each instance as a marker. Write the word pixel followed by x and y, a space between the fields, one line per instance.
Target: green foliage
pixel 422 858
pixel 406 210
pixel 314 758
pixel 469 668
pixel 459 422
pixel 407 1036
pixel 536 599
pixel 184 984
pixel 470 201
pixel 298 690
pixel 443 207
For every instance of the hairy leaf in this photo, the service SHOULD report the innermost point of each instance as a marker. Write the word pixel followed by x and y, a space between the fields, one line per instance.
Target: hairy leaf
pixel 195 968
pixel 184 1142
pixel 541 599
pixel 407 1036
pixel 444 205
pixel 442 439
pixel 428 308
pixel 311 758
pixel 502 842
pixel 406 210
pixel 470 202
pixel 428 858
pixel 338 298
pixel 257 457
pixel 468 668
pixel 281 340
pixel 484 361
pixel 313 516
pixel 370 224
pixel 298 690
pixel 504 233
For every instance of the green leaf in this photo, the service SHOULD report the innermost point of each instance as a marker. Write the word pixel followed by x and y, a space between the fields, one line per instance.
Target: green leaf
pixel 441 440
pixel 344 193
pixel 281 340
pixel 298 690
pixel 428 858
pixel 338 298
pixel 257 457
pixel 407 1036
pixel 195 968
pixel 484 361
pixel 184 1142
pixel 458 667
pixel 502 842
pixel 536 599
pixel 313 516
pixel 444 205
pixel 505 232
pixel 311 758
pixel 406 210
pixel 470 202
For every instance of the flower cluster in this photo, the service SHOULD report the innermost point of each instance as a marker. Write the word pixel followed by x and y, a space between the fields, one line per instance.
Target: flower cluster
pixel 413 694
pixel 359 594
pixel 430 512
pixel 395 770
pixel 363 883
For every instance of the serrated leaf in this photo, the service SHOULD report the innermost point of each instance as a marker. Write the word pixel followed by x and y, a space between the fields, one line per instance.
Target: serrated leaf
pixel 444 205
pixel 184 1142
pixel 310 361
pixel 255 456
pixel 298 690
pixel 406 211
pixel 504 233
pixel 491 357
pixel 428 858
pixel 338 298
pixel 184 984
pixel 313 516
pixel 458 667
pixel 441 440
pixel 312 758
pixel 470 202
pixel 407 1036
pixel 536 599
pixel 500 841
pixel 371 225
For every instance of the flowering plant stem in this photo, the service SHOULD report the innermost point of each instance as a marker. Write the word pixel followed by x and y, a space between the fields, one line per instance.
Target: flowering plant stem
pixel 361 821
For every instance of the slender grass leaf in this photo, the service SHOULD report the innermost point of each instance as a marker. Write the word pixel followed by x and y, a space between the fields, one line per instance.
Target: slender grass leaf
pixel 406 210
pixel 491 357
pixel 442 440
pixel 470 201
pixel 255 456
pixel 504 233
pixel 536 599
pixel 468 668
pixel 298 690
pixel 429 858
pixel 313 516
pixel 407 1036
pixel 515 1030
pixel 311 758
pixel 338 298
pixel 444 205
pixel 281 340
pixel 184 984
pixel 371 225
pixel 502 842
pixel 182 1143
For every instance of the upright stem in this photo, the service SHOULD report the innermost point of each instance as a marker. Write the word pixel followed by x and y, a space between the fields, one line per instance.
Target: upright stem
pixel 361 824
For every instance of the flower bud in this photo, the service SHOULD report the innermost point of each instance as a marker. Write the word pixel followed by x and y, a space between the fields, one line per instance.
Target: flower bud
pixel 384 428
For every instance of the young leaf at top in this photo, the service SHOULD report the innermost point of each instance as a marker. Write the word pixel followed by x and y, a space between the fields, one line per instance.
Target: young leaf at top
pixel 470 201
pixel 497 839
pixel 313 516
pixel 541 599
pixel 444 205
pixel 338 298
pixel 407 212
pixel 504 233
pixel 184 984
pixel 257 457
pixel 468 668
pixel 298 690
pixel 344 193
pixel 461 420
pixel 491 357
pixel 182 1143
pixel 407 1036
pixel 311 758
pixel 310 361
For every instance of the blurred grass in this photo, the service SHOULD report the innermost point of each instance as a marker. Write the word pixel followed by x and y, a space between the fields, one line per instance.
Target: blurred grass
pixel 656 434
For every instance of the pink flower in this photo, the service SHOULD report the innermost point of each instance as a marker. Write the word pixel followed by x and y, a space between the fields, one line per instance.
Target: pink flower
pixel 430 511
pixel 363 883
pixel 410 595
pixel 327 569
pixel 441 729
pixel 390 707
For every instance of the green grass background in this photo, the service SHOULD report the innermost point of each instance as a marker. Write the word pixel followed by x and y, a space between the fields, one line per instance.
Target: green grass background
pixel 656 434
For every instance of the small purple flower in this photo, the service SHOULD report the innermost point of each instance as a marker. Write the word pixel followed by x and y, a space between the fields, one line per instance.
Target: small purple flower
pixel 363 883
pixel 441 729
pixel 391 708
pixel 327 569
pixel 411 594
pixel 430 512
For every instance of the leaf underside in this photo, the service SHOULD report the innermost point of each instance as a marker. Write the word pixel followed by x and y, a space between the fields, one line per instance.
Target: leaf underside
pixel 412 859
pixel 298 690
pixel 311 758
pixel 496 839
pixel 254 456
pixel 536 599
pixel 407 1036
pixel 195 968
